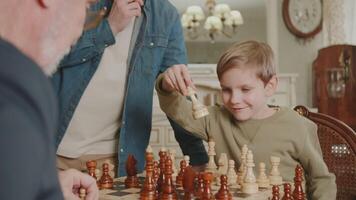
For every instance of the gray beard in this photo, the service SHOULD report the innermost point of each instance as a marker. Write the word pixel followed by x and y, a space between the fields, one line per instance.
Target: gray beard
pixel 52 68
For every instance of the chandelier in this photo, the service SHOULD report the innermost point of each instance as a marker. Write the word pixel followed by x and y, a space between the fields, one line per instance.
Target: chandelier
pixel 221 20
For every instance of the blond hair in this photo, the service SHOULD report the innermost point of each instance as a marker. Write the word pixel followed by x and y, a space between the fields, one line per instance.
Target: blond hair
pixel 256 53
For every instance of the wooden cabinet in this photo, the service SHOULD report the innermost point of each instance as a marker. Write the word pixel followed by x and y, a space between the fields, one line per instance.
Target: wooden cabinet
pixel 208 89
pixel 334 85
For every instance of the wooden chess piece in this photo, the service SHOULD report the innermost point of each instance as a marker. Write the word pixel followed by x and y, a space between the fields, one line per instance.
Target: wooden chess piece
pixel 231 173
pixel 82 193
pixel 262 180
pixel 188 183
pixel 298 193
pixel 200 185
pixel 223 164
pixel 162 160
pixel 275 177
pixel 275 192
pixel 168 192
pixel 106 182
pixel 211 166
pixel 223 193
pixel 131 180
pixel 155 172
pixel 207 195
pixel 172 154
pixel 187 159
pixel 242 169
pixel 148 191
pixel 91 166
pixel 287 192
pixel 179 179
pixel 250 186
pixel 199 110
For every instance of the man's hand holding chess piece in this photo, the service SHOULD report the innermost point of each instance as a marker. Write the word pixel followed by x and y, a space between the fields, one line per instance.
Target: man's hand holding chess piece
pixel 177 78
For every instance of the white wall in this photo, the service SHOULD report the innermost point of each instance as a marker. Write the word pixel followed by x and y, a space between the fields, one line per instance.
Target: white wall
pixel 297 56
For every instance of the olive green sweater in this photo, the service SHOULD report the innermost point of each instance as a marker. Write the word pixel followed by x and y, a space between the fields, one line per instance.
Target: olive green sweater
pixel 285 134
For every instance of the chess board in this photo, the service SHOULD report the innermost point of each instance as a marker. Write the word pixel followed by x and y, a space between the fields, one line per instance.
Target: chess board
pixel 120 192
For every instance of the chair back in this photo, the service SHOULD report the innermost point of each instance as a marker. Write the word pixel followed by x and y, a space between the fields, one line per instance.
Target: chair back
pixel 338 145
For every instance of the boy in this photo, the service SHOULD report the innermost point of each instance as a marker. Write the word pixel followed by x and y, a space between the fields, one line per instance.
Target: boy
pixel 247 78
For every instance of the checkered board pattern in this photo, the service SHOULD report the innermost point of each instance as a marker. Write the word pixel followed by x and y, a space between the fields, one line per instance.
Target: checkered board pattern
pixel 120 192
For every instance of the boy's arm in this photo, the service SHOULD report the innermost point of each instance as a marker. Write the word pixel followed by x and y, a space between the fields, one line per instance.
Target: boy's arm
pixel 320 182
pixel 179 109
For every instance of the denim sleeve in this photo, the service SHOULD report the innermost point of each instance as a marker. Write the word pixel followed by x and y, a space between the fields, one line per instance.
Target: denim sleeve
pixel 190 145
pixel 176 54
pixel 90 44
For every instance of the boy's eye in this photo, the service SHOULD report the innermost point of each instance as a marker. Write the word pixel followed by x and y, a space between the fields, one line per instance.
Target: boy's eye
pixel 246 89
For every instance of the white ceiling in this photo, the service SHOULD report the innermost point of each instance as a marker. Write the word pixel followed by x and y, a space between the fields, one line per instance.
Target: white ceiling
pixel 248 8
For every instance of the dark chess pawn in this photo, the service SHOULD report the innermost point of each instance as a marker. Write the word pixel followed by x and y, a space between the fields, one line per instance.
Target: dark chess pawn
pixel 207 195
pixel 275 192
pixel 148 191
pixel 298 193
pixel 200 185
pixel 106 182
pixel 131 171
pixel 223 193
pixel 161 178
pixel 287 192
pixel 168 192
pixel 91 167
pixel 179 179
pixel 155 172
pixel 188 183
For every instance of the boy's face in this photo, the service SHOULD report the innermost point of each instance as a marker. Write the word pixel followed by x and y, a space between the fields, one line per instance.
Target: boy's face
pixel 244 94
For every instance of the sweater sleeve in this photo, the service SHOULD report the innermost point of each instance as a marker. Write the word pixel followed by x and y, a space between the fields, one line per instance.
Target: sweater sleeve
pixel 179 109
pixel 320 182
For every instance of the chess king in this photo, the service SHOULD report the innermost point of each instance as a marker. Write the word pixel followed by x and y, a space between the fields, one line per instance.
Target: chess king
pixel 247 76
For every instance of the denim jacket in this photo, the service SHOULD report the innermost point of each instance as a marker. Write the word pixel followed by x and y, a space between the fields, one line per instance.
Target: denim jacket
pixel 157 44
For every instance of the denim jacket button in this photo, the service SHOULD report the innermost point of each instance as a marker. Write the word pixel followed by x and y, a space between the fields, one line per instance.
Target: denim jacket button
pixel 121 150
pixel 151 44
pixel 84 59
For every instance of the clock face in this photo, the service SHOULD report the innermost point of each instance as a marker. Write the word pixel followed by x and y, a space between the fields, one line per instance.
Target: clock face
pixel 303 17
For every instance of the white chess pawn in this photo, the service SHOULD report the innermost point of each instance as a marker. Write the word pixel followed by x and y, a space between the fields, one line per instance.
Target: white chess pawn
pixel 262 180
pixel 223 164
pixel 275 177
pixel 187 159
pixel 211 167
pixel 199 110
pixel 231 173
pixel 242 169
pixel 172 154
pixel 250 186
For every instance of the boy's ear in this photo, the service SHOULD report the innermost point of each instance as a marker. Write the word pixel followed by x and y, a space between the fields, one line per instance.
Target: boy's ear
pixel 271 86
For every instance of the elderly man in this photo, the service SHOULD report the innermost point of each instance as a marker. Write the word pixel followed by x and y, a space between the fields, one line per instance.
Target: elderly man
pixel 34 35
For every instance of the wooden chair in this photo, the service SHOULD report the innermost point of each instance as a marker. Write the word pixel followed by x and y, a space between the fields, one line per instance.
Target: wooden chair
pixel 338 144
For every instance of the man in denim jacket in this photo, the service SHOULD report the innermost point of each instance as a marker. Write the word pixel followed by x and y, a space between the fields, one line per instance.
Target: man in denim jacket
pixel 106 96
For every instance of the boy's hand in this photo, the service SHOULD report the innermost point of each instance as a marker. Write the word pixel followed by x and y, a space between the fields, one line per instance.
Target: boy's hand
pixel 122 12
pixel 177 78
pixel 72 180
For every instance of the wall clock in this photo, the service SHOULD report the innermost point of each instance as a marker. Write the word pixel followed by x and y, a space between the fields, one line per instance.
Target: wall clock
pixel 303 18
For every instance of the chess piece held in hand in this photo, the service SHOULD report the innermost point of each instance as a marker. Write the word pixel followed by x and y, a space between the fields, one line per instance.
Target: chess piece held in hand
pixel 82 193
pixel 199 110
pixel 131 179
